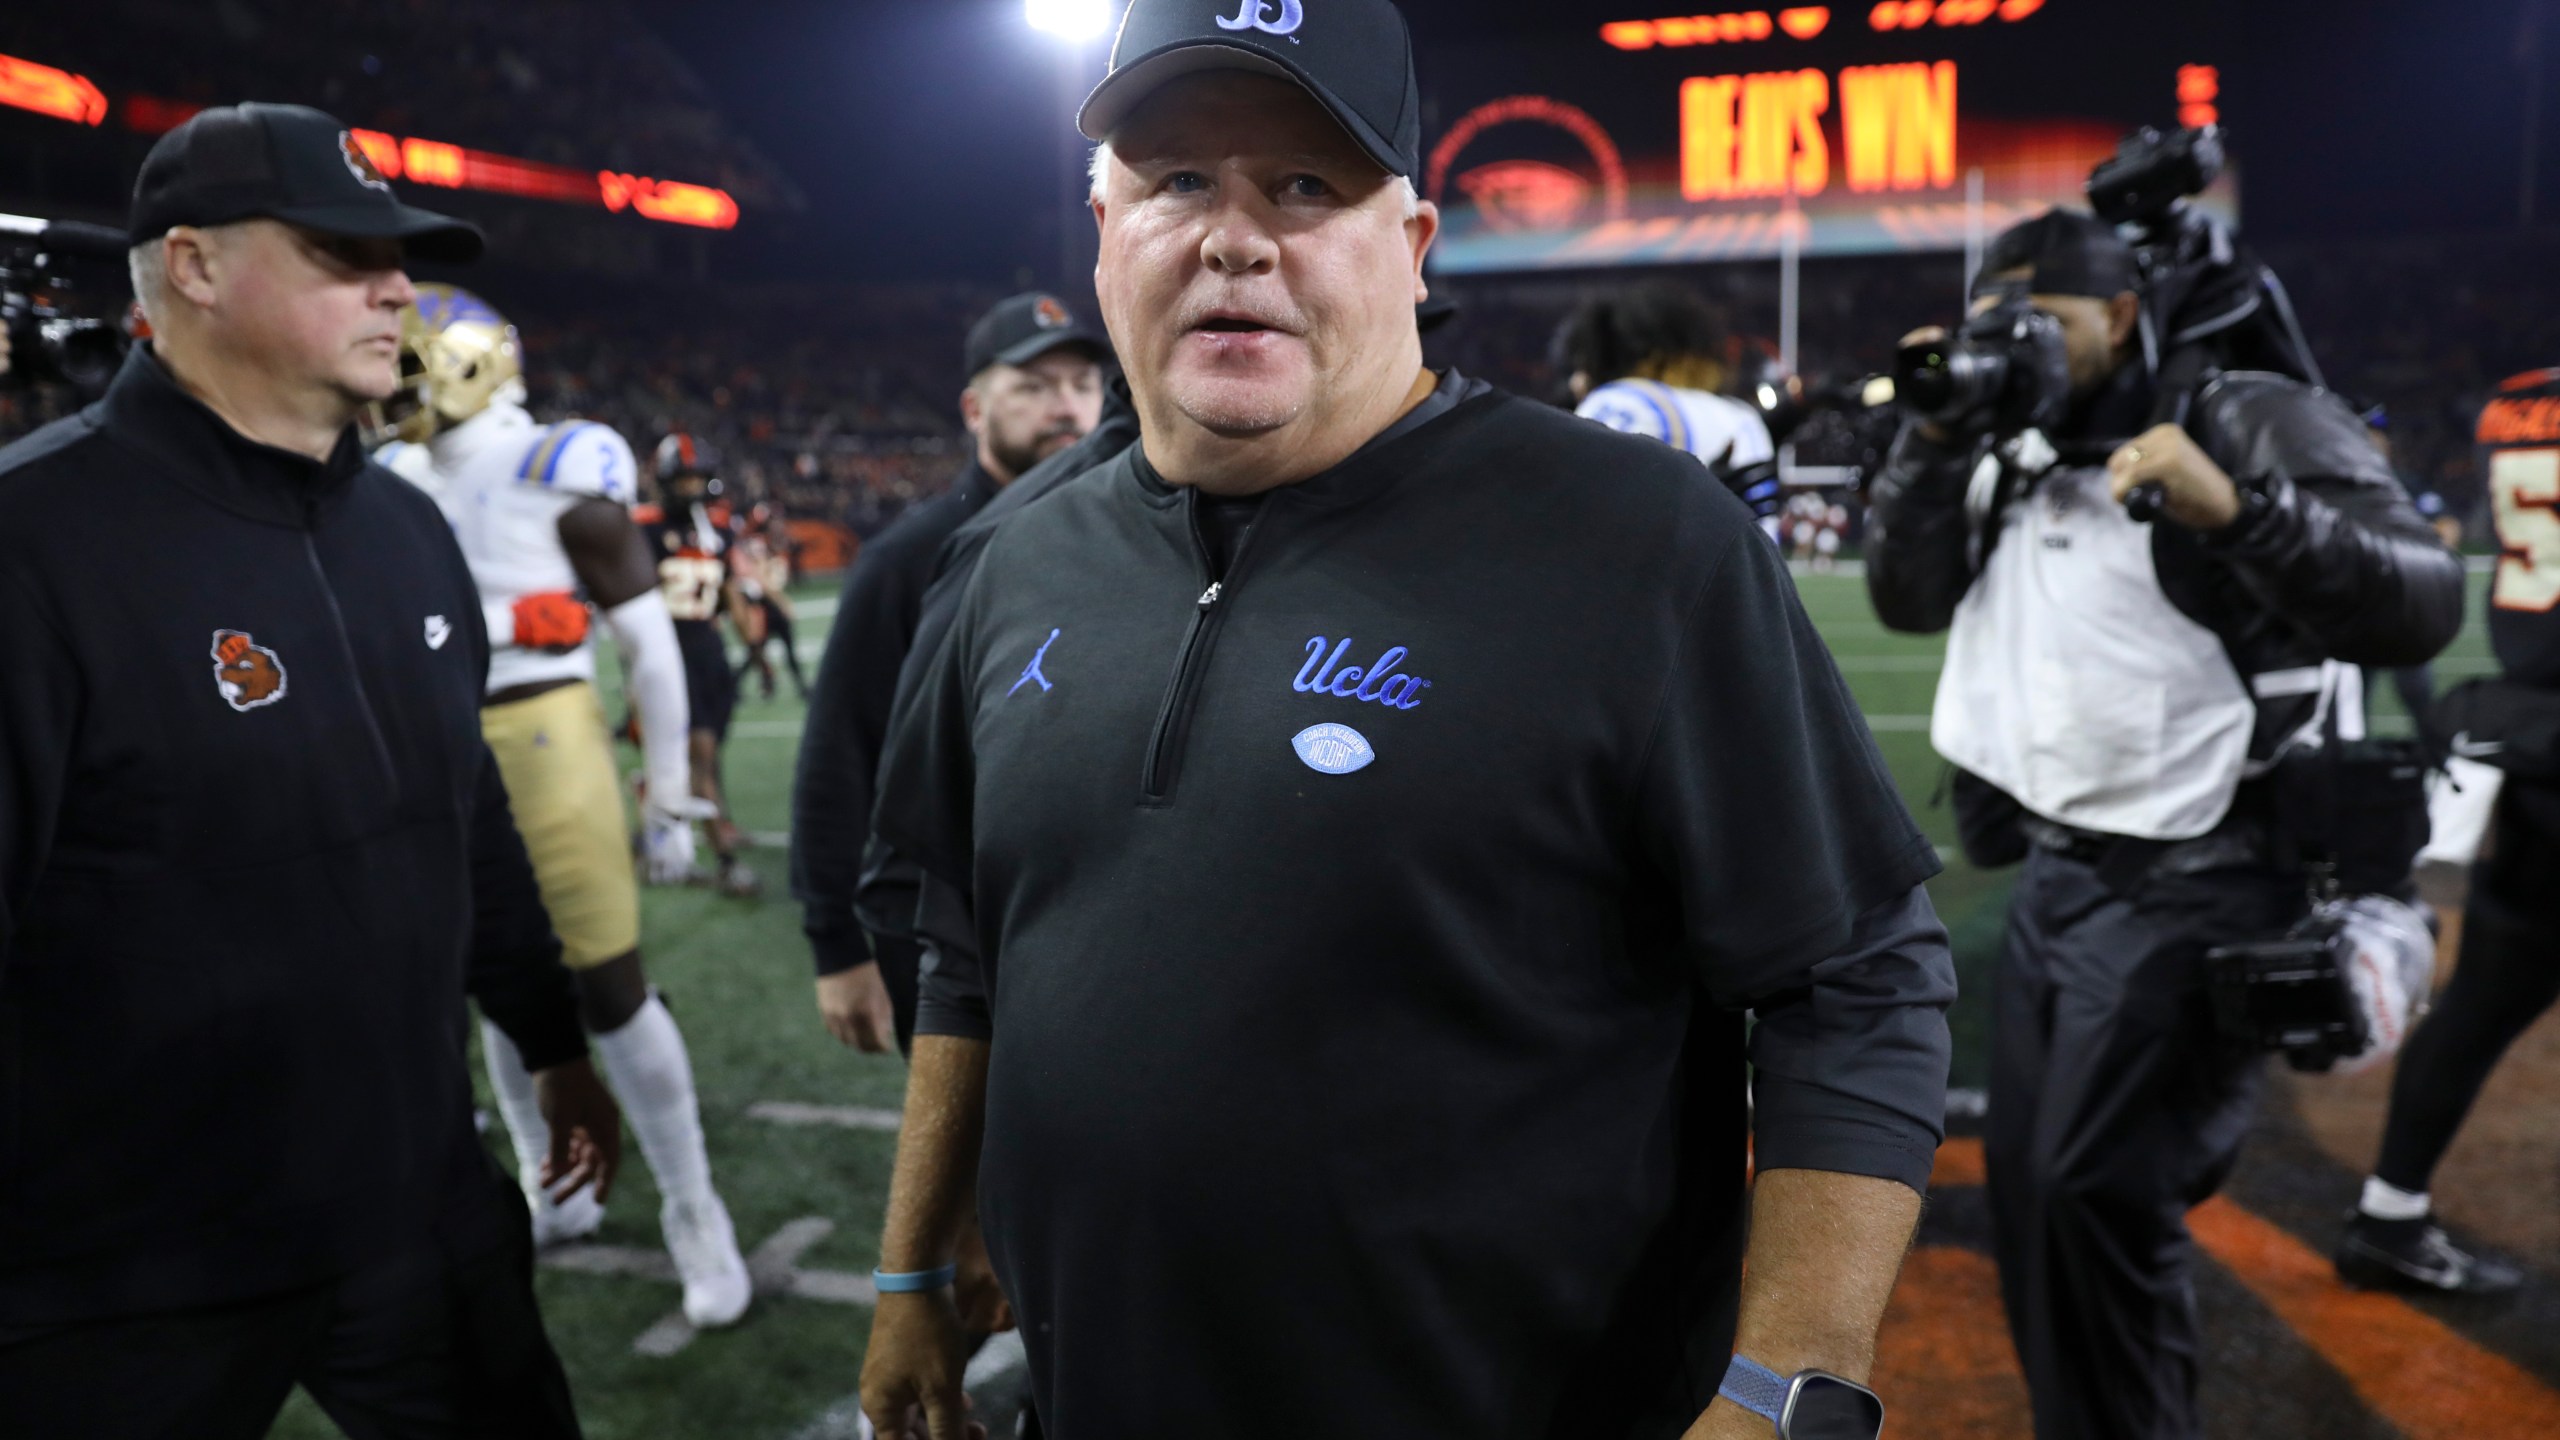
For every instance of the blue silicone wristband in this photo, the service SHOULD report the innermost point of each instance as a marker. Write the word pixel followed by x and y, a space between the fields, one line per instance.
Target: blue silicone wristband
pixel 910 1281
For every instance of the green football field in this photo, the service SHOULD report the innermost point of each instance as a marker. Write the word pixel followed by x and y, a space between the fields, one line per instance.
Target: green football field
pixel 800 1143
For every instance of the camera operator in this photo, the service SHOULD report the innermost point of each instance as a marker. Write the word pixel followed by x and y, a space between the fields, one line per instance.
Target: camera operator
pixel 2111 691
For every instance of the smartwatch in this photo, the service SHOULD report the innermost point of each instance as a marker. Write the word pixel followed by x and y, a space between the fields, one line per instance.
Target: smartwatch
pixel 1810 1405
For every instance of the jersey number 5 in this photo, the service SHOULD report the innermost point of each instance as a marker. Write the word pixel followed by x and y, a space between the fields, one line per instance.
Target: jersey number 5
pixel 692 584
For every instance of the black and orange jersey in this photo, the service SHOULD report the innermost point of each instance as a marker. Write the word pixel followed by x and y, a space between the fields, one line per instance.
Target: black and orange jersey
pixel 693 564
pixel 2519 436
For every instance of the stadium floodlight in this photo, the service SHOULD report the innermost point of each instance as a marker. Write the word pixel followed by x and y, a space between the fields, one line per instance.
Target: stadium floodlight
pixel 1068 19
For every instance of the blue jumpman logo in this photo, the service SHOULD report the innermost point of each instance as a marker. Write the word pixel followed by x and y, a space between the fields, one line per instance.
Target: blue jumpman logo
pixel 1031 671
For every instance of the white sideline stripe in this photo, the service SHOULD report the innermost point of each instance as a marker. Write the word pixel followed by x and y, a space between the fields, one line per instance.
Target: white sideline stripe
pixel 821 607
pixel 765 730
pixel 769 839
pixel 850 1117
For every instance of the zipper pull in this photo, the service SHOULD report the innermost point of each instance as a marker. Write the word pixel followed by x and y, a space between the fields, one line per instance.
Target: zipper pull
pixel 1209 596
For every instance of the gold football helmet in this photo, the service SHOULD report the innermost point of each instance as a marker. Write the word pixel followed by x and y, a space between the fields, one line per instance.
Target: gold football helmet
pixel 456 354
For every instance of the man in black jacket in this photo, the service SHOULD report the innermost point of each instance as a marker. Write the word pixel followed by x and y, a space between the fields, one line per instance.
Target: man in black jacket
pixel 2123 685
pixel 1035 389
pixel 252 849
pixel 1365 1049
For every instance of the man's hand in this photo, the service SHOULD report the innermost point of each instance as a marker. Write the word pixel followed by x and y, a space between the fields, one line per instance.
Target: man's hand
pixel 2194 491
pixel 4 350
pixel 911 1374
pixel 550 620
pixel 586 1130
pixel 980 1296
pixel 855 1006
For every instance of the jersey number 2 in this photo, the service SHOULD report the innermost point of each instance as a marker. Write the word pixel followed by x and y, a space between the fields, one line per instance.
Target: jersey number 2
pixel 2524 485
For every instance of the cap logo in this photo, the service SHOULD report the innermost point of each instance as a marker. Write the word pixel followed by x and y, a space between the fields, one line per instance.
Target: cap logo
pixel 359 164
pixel 1048 314
pixel 1252 15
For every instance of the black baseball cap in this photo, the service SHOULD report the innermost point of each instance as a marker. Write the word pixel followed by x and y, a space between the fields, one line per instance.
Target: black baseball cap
pixel 1354 56
pixel 1024 328
pixel 2065 252
pixel 292 163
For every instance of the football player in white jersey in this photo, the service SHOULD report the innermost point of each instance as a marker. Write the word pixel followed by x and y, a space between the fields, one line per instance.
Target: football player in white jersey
pixel 1648 361
pixel 540 510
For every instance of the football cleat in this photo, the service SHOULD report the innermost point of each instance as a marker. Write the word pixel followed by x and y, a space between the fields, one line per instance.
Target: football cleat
pixel 705 1249
pixel 2417 1255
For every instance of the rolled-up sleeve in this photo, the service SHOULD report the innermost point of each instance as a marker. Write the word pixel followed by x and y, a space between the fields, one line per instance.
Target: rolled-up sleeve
pixel 928 788
pixel 1849 1073
pixel 1796 871
pixel 951 980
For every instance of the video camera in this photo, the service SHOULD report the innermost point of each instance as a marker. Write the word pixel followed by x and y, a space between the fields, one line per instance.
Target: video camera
pixel 47 343
pixel 2207 304
pixel 2338 993
pixel 2003 370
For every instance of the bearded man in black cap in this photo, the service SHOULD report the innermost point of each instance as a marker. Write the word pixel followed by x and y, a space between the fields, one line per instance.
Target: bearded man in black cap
pixel 2115 694
pixel 1035 388
pixel 1363 1052
pixel 252 852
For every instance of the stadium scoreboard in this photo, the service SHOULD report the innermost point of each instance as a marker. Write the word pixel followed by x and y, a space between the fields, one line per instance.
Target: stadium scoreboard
pixel 1907 125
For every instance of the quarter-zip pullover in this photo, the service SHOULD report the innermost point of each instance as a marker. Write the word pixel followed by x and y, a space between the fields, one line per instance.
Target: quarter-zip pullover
pixel 252 850
pixel 1364 927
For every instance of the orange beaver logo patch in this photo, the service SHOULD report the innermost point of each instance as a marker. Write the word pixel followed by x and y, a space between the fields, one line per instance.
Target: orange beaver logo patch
pixel 248 674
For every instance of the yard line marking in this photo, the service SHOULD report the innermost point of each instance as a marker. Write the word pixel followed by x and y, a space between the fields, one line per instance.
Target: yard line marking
pixel 2414 1370
pixel 769 839
pixel 772 1268
pixel 593 1259
pixel 850 1117
pixel 765 730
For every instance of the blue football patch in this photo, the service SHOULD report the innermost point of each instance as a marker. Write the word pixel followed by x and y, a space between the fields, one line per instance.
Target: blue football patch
pixel 1333 749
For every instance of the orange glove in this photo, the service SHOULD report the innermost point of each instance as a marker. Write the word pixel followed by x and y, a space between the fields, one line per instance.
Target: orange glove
pixel 552 620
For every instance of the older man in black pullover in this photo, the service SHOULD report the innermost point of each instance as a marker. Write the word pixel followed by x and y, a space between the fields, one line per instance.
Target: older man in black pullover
pixel 1378 799
pixel 252 850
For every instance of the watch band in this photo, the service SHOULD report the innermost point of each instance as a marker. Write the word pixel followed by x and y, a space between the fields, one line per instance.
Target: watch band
pixel 1756 1388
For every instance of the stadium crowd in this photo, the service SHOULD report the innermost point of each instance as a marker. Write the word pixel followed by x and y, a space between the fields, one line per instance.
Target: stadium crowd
pixel 580 83
pixel 837 400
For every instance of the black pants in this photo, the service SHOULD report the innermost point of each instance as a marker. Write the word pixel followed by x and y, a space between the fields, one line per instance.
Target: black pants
pixel 2507 976
pixel 2116 1105
pixel 415 1346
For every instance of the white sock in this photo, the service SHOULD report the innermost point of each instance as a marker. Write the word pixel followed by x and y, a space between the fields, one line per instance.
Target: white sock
pixel 2390 1202
pixel 526 1129
pixel 651 1075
